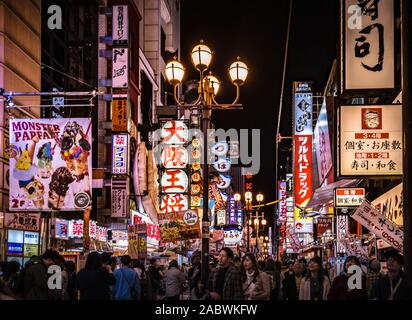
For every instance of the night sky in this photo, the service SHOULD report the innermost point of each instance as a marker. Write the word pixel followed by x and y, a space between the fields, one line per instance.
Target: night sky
pixel 256 31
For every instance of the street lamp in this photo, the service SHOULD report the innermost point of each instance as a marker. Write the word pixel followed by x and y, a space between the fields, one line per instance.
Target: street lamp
pixel 208 87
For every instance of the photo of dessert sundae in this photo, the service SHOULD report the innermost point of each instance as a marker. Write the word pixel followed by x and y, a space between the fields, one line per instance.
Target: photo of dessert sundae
pixel 58 187
pixel 45 163
pixel 25 172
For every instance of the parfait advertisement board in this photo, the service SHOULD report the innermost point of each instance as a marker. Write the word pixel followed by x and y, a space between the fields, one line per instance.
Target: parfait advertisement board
pixel 182 225
pixel 50 164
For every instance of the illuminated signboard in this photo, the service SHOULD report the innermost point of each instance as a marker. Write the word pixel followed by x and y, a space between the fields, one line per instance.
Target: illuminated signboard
pixel 120 153
pixel 349 197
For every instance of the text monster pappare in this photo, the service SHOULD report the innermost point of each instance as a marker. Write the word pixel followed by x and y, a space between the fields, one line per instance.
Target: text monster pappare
pixel 50 164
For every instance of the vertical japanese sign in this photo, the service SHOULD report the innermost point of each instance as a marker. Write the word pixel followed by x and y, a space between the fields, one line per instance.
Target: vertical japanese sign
pixel 391 204
pixel 120 68
pixel 119 115
pixel 341 233
pixel 120 29
pixel 120 153
pixel 322 145
pixel 368 48
pixel 371 140
pixel 282 209
pixel 120 199
pixel 232 212
pixel 174 181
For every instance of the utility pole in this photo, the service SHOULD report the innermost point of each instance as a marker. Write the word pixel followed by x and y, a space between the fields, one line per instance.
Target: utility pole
pixel 407 136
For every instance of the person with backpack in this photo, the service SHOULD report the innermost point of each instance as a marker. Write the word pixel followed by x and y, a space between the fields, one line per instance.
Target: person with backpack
pixel 255 283
pixel 144 277
pixel 127 285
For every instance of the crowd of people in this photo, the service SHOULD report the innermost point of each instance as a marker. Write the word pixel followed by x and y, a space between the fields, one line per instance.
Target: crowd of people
pixel 105 277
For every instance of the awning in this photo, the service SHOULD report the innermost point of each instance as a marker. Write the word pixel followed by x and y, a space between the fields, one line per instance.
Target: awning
pixel 324 195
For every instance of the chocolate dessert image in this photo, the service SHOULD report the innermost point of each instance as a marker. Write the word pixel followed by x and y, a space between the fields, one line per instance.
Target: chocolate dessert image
pixel 58 187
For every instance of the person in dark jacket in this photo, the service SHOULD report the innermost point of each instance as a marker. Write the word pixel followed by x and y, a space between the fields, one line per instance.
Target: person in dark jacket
pixel 393 286
pixel 94 281
pixel 35 276
pixel 155 278
pixel 340 289
pixel 225 282
pixel 71 285
pixel 12 277
pixel 291 283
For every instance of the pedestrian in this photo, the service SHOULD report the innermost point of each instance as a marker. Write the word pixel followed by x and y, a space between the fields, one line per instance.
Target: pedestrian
pixel 199 292
pixel 156 278
pixel 373 276
pixel 270 270
pixel 94 280
pixel 174 280
pixel 278 277
pixel 71 280
pixel 225 281
pixel 329 271
pixel 35 276
pixel 291 283
pixel 144 277
pixel 305 266
pixel 394 285
pixel 12 277
pixel 289 272
pixel 340 286
pixel 194 271
pixel 127 285
pixel 6 293
pixel 59 292
pixel 255 283
pixel 315 285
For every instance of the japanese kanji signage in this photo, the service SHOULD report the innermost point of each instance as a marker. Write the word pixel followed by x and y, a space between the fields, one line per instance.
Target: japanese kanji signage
pixel 303 113
pixel 371 218
pixel 174 181
pixel 349 197
pixel 120 30
pixel 22 221
pixel 173 203
pixel 119 115
pixel 76 229
pixel 282 210
pixel 368 48
pixel 61 229
pixel 391 204
pixel 341 233
pixel 174 132
pixel 120 199
pixel 174 157
pixel 152 230
pixel 120 68
pixel 371 140
pixel 323 224
pixel 120 154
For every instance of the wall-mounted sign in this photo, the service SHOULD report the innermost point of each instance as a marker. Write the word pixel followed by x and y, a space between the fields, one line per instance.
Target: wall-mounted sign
pixel 92 229
pixel 76 229
pixel 390 204
pixel 234 151
pixel 120 154
pixel 174 132
pixel 303 113
pixel 232 236
pixel 22 221
pixel 322 144
pixel 303 169
pixel 223 181
pixel 50 163
pixel 220 148
pixel 222 165
pixel 282 210
pixel 220 217
pixel 304 226
pixel 369 217
pixel 368 45
pixel 173 203
pixel 371 140
pixel 174 157
pixel 349 197
pixel 120 68
pixel 119 115
pixel 120 199
pixel 323 224
pixel 174 181
pixel 120 30
pixel 289 207
pixel 61 229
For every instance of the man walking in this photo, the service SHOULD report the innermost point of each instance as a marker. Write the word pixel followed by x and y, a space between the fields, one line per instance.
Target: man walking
pixel 127 285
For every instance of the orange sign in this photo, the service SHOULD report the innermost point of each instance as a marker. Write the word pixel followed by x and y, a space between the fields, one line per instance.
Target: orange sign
pixel 119 115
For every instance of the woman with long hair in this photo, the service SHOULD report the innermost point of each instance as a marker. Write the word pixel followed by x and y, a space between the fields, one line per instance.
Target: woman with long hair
pixel 255 284
pixel 315 285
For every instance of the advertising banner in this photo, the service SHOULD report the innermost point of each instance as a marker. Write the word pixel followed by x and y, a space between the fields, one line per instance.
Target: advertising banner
pixel 323 225
pixel 182 225
pixel 120 68
pixel 282 209
pixel 153 231
pixel 61 229
pixel 120 29
pixel 50 164
pixel 371 140
pixel 391 204
pixel 341 233
pixel 303 169
pixel 371 218
pixel 368 45
pixel 119 115
pixel 120 154
pixel 120 199
pixel 22 221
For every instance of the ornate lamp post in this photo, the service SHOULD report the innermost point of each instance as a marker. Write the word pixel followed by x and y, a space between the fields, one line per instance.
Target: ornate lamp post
pixel 208 88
